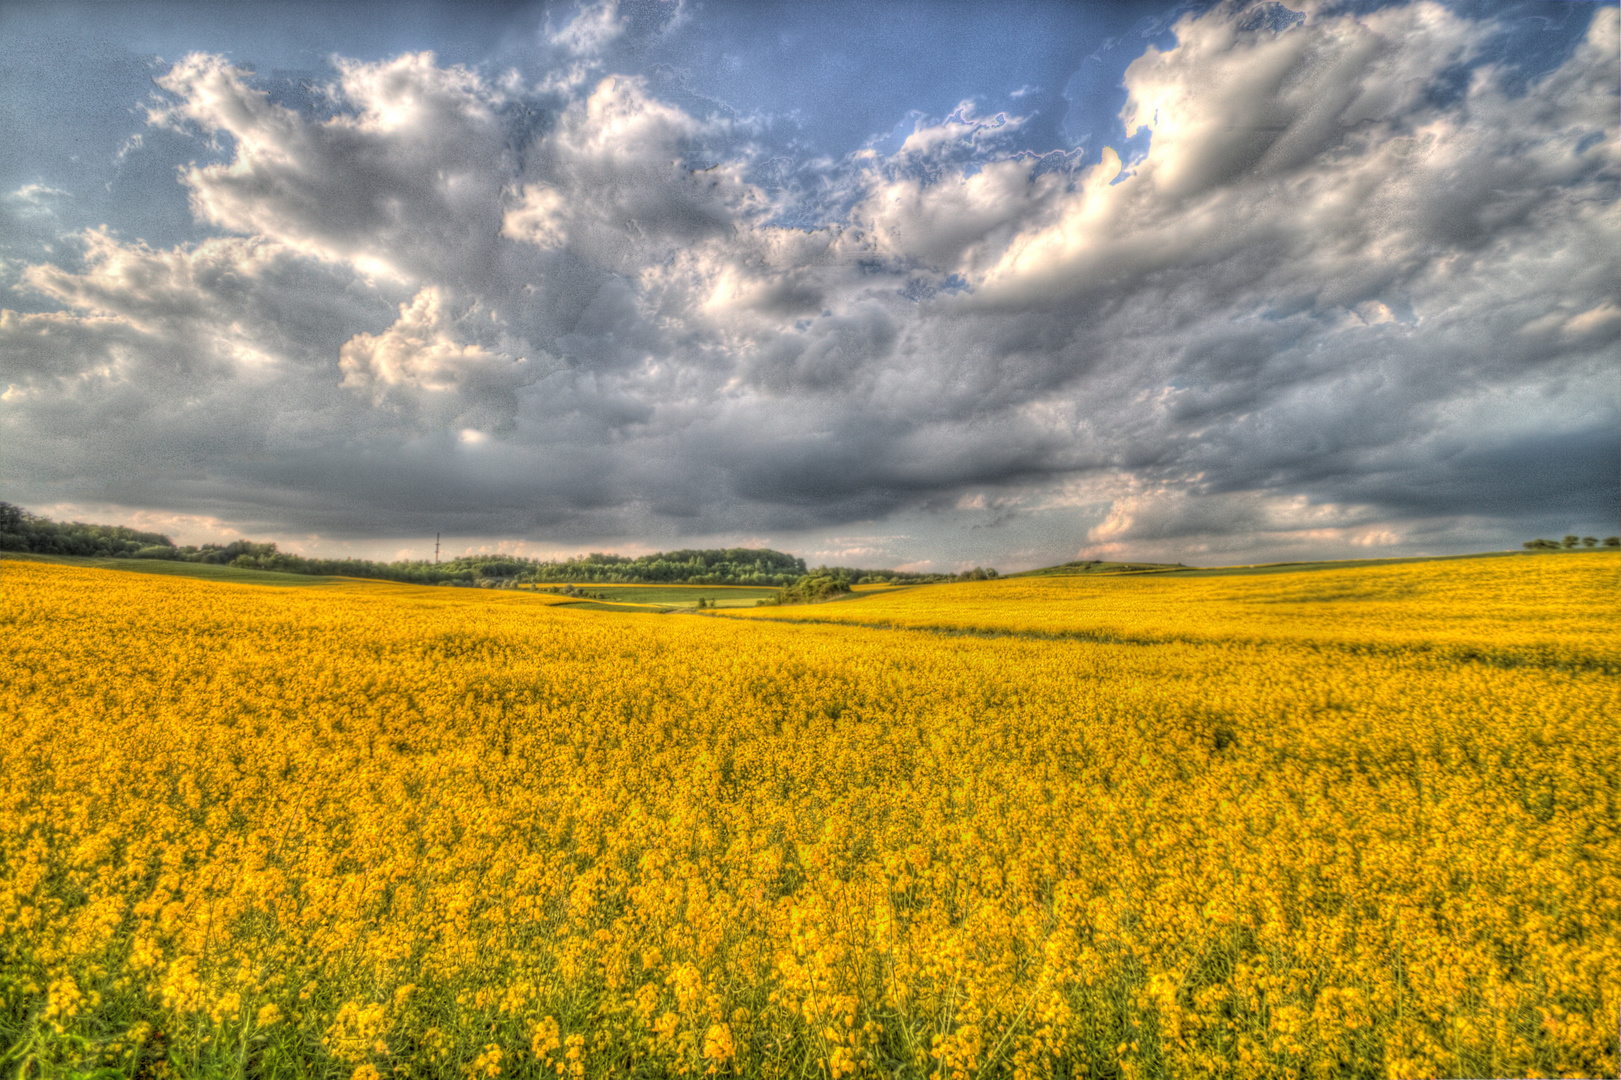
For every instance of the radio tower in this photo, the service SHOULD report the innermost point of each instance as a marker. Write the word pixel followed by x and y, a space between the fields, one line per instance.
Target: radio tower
pixel 436 549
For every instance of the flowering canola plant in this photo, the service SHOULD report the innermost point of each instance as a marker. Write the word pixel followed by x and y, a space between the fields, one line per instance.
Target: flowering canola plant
pixel 364 830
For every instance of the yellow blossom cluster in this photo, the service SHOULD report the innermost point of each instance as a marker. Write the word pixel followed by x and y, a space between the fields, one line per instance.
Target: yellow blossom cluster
pixel 1362 824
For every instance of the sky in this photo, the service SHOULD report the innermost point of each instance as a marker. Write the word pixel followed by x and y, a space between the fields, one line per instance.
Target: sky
pixel 911 285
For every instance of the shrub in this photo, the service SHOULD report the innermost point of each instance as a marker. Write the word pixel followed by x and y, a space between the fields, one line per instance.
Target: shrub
pixel 819 586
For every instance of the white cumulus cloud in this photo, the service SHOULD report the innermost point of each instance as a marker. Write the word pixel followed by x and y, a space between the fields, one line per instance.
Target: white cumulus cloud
pixel 1330 303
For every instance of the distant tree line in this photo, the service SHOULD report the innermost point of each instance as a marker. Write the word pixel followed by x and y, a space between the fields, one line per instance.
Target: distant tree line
pixel 759 567
pixel 1571 541
pixel 828 583
pixel 570 590
pixel 22 531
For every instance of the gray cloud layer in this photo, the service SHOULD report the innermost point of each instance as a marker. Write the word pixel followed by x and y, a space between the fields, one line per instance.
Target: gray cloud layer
pixel 1331 305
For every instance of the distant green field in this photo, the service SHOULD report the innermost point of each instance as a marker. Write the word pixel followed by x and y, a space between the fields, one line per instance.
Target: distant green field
pixel 621 609
pixel 678 595
pixel 207 571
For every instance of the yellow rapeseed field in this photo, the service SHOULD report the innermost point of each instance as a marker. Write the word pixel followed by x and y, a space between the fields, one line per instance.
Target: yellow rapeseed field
pixel 1356 822
pixel 1554 610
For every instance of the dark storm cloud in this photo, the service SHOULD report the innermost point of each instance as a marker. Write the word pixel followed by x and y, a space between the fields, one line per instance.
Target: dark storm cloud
pixel 1345 289
pixel 1571 473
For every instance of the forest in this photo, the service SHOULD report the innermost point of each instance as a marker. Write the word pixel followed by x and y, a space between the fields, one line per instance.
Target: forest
pixel 22 531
